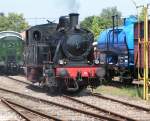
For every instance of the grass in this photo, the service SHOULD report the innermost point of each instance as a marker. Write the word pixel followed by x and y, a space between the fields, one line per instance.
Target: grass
pixel 130 91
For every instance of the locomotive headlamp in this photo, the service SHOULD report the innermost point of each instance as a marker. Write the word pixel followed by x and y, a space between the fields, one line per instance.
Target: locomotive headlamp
pixel 61 62
pixel 65 62
pixel 96 61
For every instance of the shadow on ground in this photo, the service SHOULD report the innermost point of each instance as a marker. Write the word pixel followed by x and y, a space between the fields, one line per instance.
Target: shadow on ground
pixel 57 92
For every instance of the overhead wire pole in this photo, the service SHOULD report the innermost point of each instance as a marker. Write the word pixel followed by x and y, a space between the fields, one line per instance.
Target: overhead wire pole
pixel 146 49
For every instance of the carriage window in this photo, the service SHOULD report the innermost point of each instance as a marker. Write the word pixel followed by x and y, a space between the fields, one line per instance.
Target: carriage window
pixel 37 35
pixel 27 37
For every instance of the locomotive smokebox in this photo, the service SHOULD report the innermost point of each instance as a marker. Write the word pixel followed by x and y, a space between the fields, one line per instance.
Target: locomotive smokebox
pixel 73 19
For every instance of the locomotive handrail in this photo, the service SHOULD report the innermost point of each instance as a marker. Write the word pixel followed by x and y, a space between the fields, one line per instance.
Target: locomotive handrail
pixel 56 52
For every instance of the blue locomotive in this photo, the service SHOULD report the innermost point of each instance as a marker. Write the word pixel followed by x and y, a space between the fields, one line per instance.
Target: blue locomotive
pixel 116 47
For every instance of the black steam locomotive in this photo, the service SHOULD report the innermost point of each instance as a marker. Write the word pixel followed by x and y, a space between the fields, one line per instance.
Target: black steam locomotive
pixel 61 56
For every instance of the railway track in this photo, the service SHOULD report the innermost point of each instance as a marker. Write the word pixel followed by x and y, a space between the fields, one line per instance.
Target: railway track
pixel 112 83
pixel 106 113
pixel 122 117
pixel 30 113
pixel 66 107
pixel 121 84
pixel 116 107
pixel 17 80
pixel 122 102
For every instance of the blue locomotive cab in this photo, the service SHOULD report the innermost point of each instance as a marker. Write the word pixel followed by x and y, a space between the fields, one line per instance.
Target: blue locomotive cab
pixel 119 42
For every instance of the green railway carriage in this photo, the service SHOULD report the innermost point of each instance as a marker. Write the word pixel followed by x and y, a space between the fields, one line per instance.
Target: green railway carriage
pixel 11 52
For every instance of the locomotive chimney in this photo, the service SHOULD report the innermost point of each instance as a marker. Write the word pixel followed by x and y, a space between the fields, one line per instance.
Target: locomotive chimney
pixel 73 19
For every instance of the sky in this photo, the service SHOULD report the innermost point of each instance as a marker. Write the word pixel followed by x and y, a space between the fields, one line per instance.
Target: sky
pixel 37 11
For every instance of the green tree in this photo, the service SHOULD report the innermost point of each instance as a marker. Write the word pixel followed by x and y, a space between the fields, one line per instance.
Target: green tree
pixel 107 13
pixel 87 22
pixel 13 22
pixel 95 26
pixel 98 23
pixel 141 16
